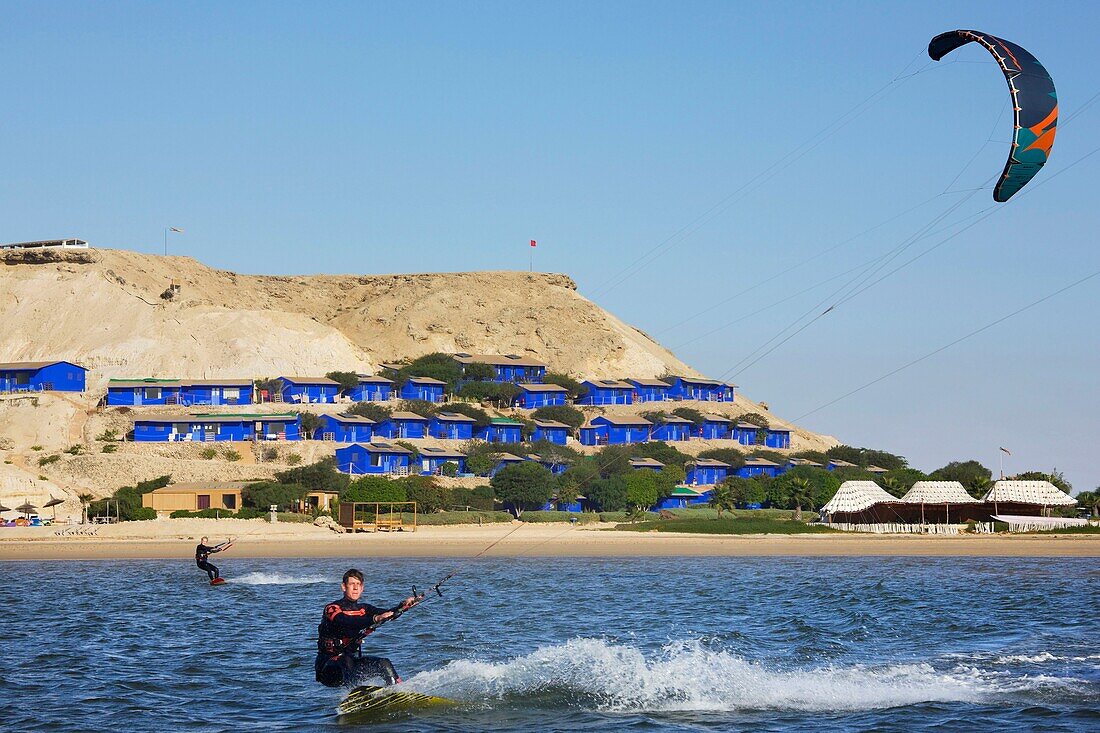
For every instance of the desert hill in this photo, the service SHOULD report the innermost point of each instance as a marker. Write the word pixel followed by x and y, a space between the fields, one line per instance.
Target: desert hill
pixel 103 308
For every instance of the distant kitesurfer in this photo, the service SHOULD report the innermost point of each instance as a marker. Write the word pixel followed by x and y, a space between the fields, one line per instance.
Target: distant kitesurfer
pixel 202 557
pixel 344 625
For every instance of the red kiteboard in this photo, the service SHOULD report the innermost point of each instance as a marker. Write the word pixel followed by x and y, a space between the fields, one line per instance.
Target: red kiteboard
pixel 217 581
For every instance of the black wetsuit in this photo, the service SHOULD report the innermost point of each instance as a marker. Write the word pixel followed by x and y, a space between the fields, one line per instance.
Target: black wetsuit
pixel 340 660
pixel 202 554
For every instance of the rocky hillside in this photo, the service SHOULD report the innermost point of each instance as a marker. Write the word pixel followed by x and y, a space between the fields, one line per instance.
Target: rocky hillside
pixel 104 309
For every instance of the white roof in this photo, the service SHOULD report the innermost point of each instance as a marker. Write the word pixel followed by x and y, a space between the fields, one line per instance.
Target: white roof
pixel 855 496
pixel 1029 492
pixel 938 492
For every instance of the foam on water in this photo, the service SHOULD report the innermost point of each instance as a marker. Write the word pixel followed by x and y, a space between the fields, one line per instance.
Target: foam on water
pixel 261 578
pixel 687 676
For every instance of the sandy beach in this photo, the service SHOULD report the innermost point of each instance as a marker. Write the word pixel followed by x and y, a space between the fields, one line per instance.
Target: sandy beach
pixel 136 540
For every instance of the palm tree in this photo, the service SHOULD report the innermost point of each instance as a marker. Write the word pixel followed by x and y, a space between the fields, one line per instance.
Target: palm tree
pixel 892 485
pixel 979 485
pixel 1090 499
pixel 85 500
pixel 722 498
pixel 801 494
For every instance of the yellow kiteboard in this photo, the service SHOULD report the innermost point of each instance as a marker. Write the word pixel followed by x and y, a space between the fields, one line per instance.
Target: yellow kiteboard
pixel 369 701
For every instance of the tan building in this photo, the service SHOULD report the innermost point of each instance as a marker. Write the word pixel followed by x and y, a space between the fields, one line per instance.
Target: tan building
pixel 195 496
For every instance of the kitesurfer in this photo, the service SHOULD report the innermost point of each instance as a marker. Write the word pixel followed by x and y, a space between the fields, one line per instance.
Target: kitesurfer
pixel 202 557
pixel 344 624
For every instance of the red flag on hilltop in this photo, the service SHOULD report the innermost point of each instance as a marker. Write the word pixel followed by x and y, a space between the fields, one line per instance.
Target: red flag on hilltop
pixel 532 243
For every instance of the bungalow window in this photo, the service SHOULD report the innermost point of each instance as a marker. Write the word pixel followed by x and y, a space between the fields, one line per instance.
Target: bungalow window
pixel 181 427
pixel 231 393
pixel 22 378
pixel 229 501
pixel 276 428
pixel 203 501
pixel 152 393
pixel 376 459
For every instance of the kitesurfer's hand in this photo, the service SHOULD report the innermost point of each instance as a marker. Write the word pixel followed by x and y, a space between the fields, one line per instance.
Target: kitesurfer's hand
pixel 384 616
pixel 409 602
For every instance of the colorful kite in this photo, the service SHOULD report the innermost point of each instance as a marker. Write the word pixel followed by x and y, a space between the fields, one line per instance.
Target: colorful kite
pixel 1034 102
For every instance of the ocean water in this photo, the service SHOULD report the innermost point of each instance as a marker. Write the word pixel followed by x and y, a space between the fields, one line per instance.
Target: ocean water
pixel 693 644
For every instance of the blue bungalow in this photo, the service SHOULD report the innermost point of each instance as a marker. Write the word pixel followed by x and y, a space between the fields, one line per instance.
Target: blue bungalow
pixel 745 433
pixel 372 389
pixel 373 458
pixel 759 467
pixel 557 505
pixel 144 392
pixel 705 390
pixel 835 463
pixel 451 426
pixel 433 459
pixel 714 427
pixel 673 428
pixel 607 392
pixel 650 390
pixel 551 430
pixel 533 396
pixel 508 367
pixel 505 459
pixel 778 438
pixel 608 430
pixel 212 427
pixel 310 390
pixel 650 463
pixel 423 388
pixel 500 430
pixel 680 497
pixel 345 429
pixel 706 472
pixel 403 425
pixel 42 376
pixel 216 391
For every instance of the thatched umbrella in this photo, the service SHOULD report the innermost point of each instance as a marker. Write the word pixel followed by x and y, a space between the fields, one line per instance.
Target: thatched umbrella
pixel 53 503
pixel 4 509
pixel 26 508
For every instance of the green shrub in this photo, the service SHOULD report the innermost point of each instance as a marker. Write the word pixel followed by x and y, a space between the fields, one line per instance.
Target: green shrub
pixel 47 460
pixel 417 407
pixel 370 410
pixel 319 476
pixel 608 495
pixel 373 488
pixel 449 468
pixel 523 486
pixel 451 518
pixel 571 416
pixel 142 513
pixel 347 380
pixel 270 454
pixel 480 497
pixel 263 494
pixel 727 526
pixel 108 435
pixel 231 454
pixel 209 454
pixel 36 447
pixel 40 476
pixel 427 494
pixel 308 425
pixel 293 459
pixel 540 516
pixel 244 513
pixel 564 380
pixel 109 448
pixel 480 417
pixel 74 450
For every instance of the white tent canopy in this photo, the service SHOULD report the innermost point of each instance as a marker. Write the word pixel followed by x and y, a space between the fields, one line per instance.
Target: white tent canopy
pixel 938 492
pixel 855 496
pixel 1029 492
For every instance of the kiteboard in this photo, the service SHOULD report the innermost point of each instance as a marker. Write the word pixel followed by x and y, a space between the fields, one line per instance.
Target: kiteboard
pixel 369 701
pixel 217 581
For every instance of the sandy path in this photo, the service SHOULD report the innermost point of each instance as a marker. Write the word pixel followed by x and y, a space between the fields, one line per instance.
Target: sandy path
pixel 256 539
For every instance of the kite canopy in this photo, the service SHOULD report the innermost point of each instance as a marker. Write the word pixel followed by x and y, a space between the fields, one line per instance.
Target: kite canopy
pixel 1034 102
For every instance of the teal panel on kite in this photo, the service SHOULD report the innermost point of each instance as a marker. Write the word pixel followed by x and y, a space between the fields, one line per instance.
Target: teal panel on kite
pixel 1034 102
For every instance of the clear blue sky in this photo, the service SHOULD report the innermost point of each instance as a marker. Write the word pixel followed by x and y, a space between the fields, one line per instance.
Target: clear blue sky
pixel 356 138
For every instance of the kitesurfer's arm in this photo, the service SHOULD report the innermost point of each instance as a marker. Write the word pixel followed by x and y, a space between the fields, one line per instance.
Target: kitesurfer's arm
pixel 345 622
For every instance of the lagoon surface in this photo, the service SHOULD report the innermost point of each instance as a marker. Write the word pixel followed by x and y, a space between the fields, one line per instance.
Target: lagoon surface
pixel 774 644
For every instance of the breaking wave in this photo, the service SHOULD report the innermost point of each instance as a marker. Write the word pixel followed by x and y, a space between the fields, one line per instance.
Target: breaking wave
pixel 279 579
pixel 685 676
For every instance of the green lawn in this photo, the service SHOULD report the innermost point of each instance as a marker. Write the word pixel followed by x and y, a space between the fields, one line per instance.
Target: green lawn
pixel 736 525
